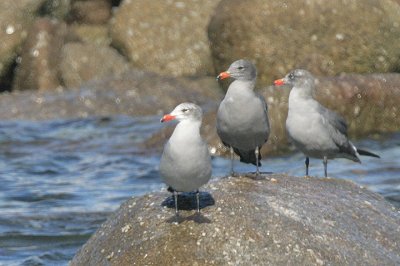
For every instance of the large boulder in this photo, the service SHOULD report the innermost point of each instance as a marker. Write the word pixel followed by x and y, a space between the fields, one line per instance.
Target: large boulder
pixel 325 37
pixel 167 37
pixel 38 64
pixel 16 18
pixel 280 220
pixel 81 62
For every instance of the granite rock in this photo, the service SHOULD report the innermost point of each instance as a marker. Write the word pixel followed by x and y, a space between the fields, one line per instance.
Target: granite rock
pixel 279 220
pixel 38 63
pixel 16 17
pixel 167 37
pixel 81 62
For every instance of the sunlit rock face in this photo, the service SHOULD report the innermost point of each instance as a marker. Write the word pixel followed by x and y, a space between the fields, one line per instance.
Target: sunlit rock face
pixel 168 37
pixel 81 62
pixel 325 37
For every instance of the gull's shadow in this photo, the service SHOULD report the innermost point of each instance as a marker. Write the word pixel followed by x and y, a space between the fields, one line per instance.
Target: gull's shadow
pixel 254 176
pixel 196 217
pixel 187 201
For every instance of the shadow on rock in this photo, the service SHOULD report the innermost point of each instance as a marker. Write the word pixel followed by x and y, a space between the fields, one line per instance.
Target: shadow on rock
pixel 196 217
pixel 187 201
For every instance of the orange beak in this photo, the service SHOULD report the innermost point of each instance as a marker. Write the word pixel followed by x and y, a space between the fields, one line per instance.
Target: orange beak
pixel 279 82
pixel 223 75
pixel 167 118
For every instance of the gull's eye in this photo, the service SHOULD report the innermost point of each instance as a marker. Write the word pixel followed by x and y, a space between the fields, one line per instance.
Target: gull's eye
pixel 241 67
pixel 185 110
pixel 291 76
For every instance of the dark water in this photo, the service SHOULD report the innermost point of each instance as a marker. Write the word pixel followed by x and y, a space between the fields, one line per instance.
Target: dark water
pixel 59 180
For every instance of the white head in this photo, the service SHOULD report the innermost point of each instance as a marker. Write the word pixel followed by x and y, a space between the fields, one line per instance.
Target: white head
pixel 184 112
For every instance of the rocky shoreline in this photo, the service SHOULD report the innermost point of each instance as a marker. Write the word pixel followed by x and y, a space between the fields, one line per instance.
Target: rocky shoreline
pixel 52 44
pixel 278 220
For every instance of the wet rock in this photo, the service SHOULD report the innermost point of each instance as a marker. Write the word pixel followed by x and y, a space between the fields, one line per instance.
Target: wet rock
pixel 134 92
pixel 280 220
pixel 40 56
pixel 90 11
pixel 82 62
pixel 167 37
pixel 327 38
pixel 16 17
pixel 369 103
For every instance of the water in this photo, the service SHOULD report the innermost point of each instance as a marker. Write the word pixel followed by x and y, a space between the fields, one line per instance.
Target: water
pixel 61 179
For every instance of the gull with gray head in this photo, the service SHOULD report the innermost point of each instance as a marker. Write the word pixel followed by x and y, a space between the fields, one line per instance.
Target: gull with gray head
pixel 242 118
pixel 314 129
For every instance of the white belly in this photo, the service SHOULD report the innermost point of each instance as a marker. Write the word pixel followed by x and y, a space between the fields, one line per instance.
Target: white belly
pixel 310 134
pixel 185 171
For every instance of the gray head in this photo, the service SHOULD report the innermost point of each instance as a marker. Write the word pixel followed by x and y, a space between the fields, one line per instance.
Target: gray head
pixel 240 70
pixel 299 79
pixel 184 111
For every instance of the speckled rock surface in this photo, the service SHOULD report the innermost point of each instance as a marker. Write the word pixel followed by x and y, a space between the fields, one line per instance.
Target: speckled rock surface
pixel 82 62
pixel 15 19
pixel 167 37
pixel 38 66
pixel 325 37
pixel 369 103
pixel 95 34
pixel 280 220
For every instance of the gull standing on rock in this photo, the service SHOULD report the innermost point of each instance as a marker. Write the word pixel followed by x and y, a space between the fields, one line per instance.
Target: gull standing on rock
pixel 315 130
pixel 186 162
pixel 242 118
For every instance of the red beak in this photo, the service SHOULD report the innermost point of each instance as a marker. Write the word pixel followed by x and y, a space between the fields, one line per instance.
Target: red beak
pixel 223 75
pixel 279 82
pixel 167 118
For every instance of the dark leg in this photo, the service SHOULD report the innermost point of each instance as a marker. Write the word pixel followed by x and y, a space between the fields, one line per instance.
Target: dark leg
pixel 307 164
pixel 326 166
pixel 198 200
pixel 232 154
pixel 176 202
pixel 257 152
